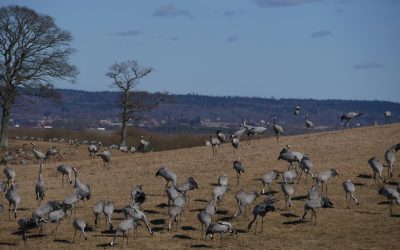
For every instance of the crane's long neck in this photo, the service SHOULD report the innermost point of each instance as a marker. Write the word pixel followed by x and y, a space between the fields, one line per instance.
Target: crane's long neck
pixel 40 173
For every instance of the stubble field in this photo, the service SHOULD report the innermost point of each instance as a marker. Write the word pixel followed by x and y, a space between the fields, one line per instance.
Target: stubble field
pixel 368 226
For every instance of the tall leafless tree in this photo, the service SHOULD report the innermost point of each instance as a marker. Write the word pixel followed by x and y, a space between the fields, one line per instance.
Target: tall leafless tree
pixel 34 51
pixel 126 76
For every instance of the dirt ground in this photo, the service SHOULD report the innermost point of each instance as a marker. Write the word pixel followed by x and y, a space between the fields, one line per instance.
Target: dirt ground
pixel 368 226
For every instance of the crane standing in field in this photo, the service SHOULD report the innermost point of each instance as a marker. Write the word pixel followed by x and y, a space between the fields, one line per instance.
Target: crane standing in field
pixel 65 169
pixel 262 209
pixel 40 187
pixel 40 156
pixel 390 158
pixel 309 123
pixel 348 117
pixel 106 157
pixel 350 188
pixel 239 168
pixel 278 129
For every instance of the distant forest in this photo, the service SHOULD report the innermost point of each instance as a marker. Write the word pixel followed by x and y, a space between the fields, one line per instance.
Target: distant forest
pixel 198 113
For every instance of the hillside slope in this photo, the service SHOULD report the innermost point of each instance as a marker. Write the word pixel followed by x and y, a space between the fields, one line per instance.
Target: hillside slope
pixel 367 226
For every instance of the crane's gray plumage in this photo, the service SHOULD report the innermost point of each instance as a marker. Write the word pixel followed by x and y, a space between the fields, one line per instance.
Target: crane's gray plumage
pixel 106 157
pixel 390 158
pixel 40 187
pixel 267 180
pixel 97 211
pixel 288 192
pixel 65 169
pixel 306 166
pixel 239 168
pixel 391 194
pixel 262 209
pixel 205 220
pixel 108 210
pixel 220 227
pixel 290 156
pixel 138 195
pixel 134 212
pixel 278 129
pixel 244 199
pixel 56 216
pixel 314 205
pixel 349 189
pixel 387 115
pixel 377 167
pixel 323 177
pixel 40 156
pixel 348 117
pixel 223 180
pixel 13 199
pixel 309 124
pixel 167 174
pixel 123 228
pixel 80 225
pixel 289 175
pixel 10 174
pixel 82 190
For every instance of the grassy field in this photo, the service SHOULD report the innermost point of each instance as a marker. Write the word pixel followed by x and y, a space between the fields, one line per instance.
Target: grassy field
pixel 367 226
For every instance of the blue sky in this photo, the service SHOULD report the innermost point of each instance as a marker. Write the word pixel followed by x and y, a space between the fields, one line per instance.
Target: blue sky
pixel 323 49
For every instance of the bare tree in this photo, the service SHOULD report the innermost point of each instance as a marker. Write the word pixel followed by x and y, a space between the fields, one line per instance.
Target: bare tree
pixel 34 51
pixel 126 76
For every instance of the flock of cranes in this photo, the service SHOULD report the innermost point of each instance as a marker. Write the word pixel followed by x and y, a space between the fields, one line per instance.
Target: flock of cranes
pixel 177 194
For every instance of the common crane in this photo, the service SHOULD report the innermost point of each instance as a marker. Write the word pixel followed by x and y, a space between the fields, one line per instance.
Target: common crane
pixel 239 168
pixel 40 187
pixel 278 129
pixel 314 205
pixel 267 180
pixel 124 228
pixel 309 124
pixel 377 167
pixel 391 194
pixel 167 174
pixel 350 188
pixel 13 199
pixel 243 200
pixel 80 225
pixel 348 117
pixel 323 177
pixel 221 227
pixel 288 192
pixel 205 220
pixel 262 209
pixel 40 156
pixel 65 169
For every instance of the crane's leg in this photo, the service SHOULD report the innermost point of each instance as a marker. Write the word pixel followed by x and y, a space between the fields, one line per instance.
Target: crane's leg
pixel 347 200
pixel 237 177
pixel 298 180
pixel 74 236
pixel 262 224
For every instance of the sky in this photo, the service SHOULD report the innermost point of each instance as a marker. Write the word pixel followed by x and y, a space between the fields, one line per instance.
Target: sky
pixel 320 49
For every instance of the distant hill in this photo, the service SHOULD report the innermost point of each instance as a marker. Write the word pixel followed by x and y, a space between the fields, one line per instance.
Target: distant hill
pixel 197 113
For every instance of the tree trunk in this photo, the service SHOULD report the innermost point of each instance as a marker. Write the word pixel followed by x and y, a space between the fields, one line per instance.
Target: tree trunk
pixel 125 118
pixel 4 125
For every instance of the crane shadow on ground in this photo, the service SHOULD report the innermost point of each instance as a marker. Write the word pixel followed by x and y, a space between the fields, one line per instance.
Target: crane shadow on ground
pixel 201 200
pixel 162 205
pixel 367 212
pixel 104 245
pixel 227 218
pixel 151 212
pixel 270 192
pixel 182 236
pixel 200 246
pixel 294 222
pixel 8 244
pixel 188 228
pixel 158 222
pixel 358 184
pixel 222 212
pixel 197 210
pixel 157 229
pixel 364 176
pixel 300 198
pixel 63 241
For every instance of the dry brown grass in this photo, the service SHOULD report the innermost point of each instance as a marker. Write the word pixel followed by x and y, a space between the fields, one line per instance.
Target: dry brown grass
pixel 368 226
